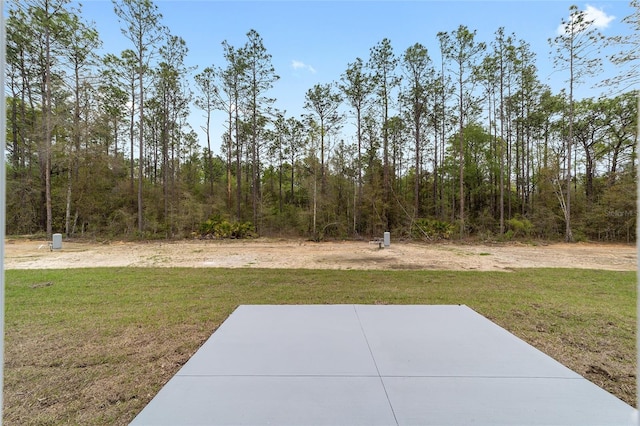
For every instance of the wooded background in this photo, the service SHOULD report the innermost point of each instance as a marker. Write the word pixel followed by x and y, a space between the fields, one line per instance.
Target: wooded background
pixel 466 141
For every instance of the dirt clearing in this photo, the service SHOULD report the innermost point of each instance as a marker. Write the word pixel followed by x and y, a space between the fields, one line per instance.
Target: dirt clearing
pixel 292 254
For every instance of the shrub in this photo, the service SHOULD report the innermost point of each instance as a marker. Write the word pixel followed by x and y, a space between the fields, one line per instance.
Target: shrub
pixel 432 229
pixel 520 226
pixel 216 227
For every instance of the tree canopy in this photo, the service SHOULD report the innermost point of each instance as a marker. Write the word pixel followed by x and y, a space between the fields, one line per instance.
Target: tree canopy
pixel 467 141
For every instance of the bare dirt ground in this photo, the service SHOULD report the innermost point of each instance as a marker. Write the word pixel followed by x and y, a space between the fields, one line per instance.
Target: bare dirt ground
pixel 275 253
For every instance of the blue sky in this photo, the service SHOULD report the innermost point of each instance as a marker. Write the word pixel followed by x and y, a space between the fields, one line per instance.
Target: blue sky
pixel 313 41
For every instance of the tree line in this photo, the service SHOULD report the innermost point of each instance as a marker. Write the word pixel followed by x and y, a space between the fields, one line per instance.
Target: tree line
pixel 463 141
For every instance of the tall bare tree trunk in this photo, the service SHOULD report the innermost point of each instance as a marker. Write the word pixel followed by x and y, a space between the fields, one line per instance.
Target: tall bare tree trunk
pixel 568 234
pixel 47 124
pixel 141 144
pixel 461 157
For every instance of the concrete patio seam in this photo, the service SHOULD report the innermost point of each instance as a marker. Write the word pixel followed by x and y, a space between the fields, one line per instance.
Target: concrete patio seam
pixel 373 358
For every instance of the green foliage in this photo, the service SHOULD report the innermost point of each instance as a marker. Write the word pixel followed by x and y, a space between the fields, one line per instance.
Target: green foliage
pixel 23 196
pixel 121 223
pixel 547 223
pixel 432 229
pixel 519 227
pixel 217 227
pixel 278 173
pixel 613 217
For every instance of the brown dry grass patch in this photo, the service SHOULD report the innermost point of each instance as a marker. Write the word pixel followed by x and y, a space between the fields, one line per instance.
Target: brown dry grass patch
pixel 93 346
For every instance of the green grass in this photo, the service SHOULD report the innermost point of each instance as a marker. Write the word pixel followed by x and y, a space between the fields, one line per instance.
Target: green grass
pixel 93 346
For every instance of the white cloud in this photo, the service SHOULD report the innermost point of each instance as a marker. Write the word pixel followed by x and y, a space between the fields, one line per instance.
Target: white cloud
pixel 598 17
pixel 297 65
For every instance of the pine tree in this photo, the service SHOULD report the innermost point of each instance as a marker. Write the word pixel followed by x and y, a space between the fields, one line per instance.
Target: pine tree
pixel 141 25
pixel 575 53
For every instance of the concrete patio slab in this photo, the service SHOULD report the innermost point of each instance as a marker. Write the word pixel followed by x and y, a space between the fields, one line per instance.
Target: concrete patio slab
pixel 449 341
pixel 495 401
pixel 375 365
pixel 286 340
pixel 269 400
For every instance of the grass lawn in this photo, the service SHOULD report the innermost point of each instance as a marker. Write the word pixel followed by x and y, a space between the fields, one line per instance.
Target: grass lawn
pixel 93 346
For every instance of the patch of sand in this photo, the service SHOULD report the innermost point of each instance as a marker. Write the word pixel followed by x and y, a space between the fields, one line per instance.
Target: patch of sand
pixel 291 254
